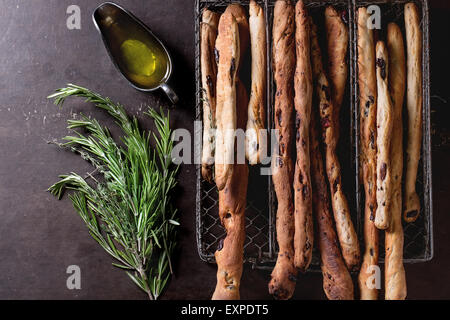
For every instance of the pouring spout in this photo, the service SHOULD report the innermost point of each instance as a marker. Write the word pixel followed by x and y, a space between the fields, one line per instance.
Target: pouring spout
pixel 170 93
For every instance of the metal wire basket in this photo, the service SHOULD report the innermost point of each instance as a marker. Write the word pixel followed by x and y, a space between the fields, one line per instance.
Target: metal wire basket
pixel 260 247
pixel 259 241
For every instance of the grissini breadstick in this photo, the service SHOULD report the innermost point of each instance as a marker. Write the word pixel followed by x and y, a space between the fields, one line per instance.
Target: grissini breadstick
pixel 367 83
pixel 337 282
pixel 414 97
pixel 337 46
pixel 395 279
pixel 233 198
pixel 255 146
pixel 304 233
pixel 208 31
pixel 384 130
pixel 284 274
pixel 232 203
pixel 240 15
pixel 229 254
pixel 227 46
pixel 348 238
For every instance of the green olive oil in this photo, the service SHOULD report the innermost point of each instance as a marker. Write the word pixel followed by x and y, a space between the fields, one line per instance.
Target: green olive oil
pixel 137 53
pixel 138 58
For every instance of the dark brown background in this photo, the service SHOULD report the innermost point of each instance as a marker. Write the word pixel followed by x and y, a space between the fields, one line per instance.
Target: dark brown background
pixel 40 236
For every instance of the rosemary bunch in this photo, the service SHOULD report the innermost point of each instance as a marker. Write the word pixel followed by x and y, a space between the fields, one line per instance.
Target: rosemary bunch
pixel 128 212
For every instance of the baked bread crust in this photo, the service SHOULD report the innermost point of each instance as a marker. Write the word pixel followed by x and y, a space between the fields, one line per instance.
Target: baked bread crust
pixel 208 32
pixel 304 233
pixel 337 282
pixel 348 238
pixel 384 130
pixel 233 197
pixel 282 284
pixel 227 46
pixel 240 15
pixel 256 144
pixel 414 98
pixel 395 279
pixel 367 122
pixel 337 46
pixel 232 202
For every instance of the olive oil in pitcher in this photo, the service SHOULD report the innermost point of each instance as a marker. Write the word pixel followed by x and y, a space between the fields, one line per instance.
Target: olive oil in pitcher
pixel 138 54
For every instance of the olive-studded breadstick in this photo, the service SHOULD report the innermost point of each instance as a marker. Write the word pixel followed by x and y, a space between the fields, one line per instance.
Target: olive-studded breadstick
pixel 232 203
pixel 395 279
pixel 337 282
pixel 304 233
pixel 414 97
pixel 255 146
pixel 208 32
pixel 348 238
pixel 240 15
pixel 367 83
pixel 384 129
pixel 227 47
pixel 230 252
pixel 284 274
pixel 233 198
pixel 337 46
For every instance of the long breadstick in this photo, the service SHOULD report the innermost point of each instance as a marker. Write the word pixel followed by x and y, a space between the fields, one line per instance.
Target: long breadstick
pixel 284 274
pixel 232 198
pixel 384 129
pixel 232 203
pixel 337 282
pixel 210 21
pixel 395 280
pixel 227 46
pixel 337 46
pixel 414 97
pixel 348 238
pixel 367 116
pixel 304 234
pixel 229 254
pixel 255 146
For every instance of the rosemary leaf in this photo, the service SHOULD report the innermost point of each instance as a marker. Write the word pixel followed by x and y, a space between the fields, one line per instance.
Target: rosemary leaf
pixel 129 211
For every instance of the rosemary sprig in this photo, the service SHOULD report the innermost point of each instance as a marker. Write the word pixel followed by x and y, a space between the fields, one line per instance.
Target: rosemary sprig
pixel 129 212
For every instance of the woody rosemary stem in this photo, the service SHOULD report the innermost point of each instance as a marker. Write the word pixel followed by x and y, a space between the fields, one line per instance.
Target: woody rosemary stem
pixel 145 280
pixel 128 212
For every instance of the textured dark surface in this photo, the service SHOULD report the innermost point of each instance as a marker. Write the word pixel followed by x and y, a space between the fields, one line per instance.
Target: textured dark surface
pixel 40 236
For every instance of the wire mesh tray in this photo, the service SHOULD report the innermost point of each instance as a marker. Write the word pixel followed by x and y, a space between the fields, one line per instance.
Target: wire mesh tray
pixel 259 242
pixel 260 247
